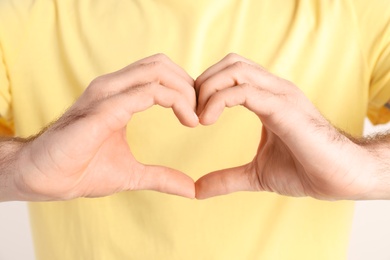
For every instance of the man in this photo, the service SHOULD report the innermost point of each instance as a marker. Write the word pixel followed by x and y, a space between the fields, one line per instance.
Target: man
pixel 334 54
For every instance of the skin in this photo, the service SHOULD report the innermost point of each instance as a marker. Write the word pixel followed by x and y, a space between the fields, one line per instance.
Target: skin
pixel 309 158
pixel 85 152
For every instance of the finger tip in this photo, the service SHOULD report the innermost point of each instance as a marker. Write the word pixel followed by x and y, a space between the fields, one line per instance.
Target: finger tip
pixel 201 189
pixel 190 195
pixel 168 180
pixel 205 121
pixel 198 81
pixel 186 190
pixel 198 111
pixel 201 118
pixel 191 190
pixel 187 195
pixel 207 117
pixel 199 195
pixel 192 121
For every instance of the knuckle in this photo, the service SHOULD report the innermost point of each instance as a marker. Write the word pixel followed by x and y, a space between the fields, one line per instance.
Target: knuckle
pixel 160 57
pixel 240 65
pixel 151 65
pixel 154 69
pixel 232 57
pixel 98 82
pixel 97 86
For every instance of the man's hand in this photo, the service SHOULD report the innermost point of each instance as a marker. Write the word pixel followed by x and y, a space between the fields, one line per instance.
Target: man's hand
pixel 300 153
pixel 85 153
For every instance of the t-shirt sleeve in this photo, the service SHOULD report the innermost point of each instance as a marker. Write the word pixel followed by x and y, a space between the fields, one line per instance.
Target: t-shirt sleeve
pixel 379 92
pixel 6 122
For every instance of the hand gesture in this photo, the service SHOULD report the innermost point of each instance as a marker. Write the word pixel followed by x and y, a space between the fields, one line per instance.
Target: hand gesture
pixel 300 153
pixel 85 152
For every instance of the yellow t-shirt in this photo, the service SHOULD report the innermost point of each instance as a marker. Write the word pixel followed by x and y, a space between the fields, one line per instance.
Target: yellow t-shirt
pixel 337 52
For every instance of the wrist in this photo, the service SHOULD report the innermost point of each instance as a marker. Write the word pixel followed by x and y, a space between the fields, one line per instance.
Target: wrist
pixel 10 166
pixel 377 167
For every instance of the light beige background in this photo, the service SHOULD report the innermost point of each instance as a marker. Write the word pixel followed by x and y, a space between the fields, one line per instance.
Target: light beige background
pixel 370 237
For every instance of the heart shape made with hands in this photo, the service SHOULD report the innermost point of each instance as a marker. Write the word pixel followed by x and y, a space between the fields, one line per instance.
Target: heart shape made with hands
pixel 88 143
pixel 288 160
pixel 231 141
pixel 218 87
pixel 231 82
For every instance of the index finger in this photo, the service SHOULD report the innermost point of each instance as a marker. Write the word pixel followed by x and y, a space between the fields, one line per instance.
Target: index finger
pixel 221 65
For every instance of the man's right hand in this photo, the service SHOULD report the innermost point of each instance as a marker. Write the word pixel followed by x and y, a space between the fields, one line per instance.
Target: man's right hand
pixel 85 153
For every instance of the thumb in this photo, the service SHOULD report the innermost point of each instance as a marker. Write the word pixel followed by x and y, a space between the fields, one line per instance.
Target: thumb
pixel 226 181
pixel 166 180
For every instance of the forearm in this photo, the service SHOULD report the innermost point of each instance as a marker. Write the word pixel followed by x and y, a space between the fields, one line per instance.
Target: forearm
pixel 10 149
